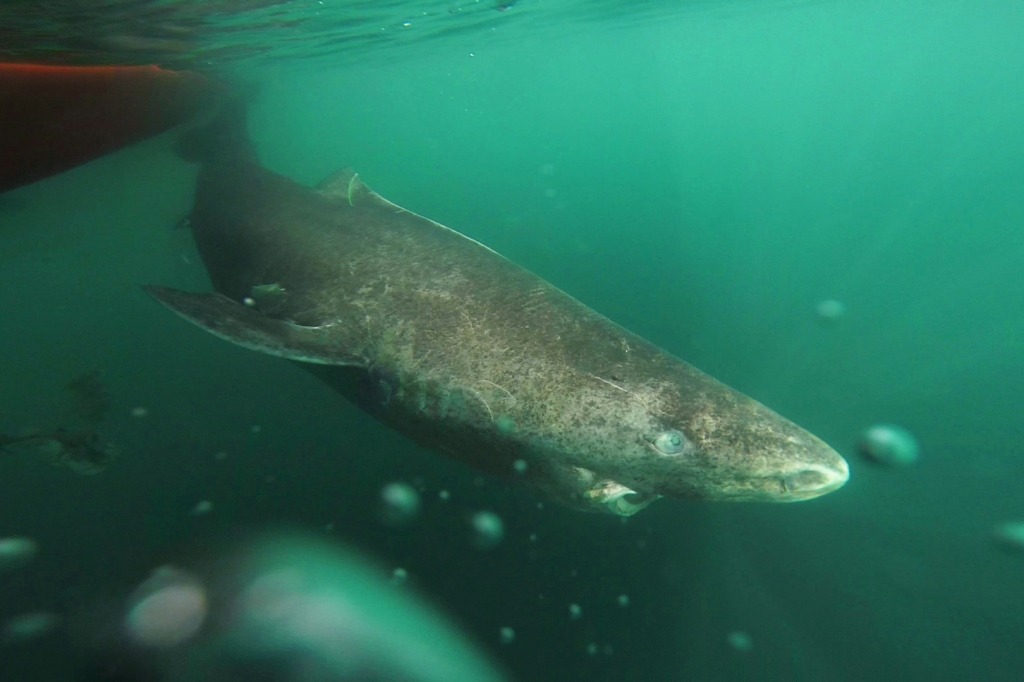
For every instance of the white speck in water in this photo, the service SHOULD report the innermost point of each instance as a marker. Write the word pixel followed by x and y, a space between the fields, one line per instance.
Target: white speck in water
pixel 444 495
pixel 623 600
pixel 575 611
pixel 592 648
pixel 139 412
pixel 256 428
pixel 249 302
pixel 201 508
pixel 533 537
pixel 507 635
pixel 520 466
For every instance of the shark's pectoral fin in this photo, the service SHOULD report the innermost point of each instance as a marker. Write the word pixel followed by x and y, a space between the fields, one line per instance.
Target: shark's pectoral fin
pixel 250 328
pixel 345 185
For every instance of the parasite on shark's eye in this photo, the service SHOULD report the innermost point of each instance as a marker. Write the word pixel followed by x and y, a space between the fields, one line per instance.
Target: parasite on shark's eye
pixel 670 442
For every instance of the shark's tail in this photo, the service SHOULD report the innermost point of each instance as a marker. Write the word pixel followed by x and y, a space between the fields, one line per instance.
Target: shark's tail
pixel 223 135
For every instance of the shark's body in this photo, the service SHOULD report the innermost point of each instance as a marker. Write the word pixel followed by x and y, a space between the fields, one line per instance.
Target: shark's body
pixel 469 354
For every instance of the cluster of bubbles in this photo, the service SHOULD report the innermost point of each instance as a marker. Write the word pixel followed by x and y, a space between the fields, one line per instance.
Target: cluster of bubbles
pixel 893 446
pixel 401 505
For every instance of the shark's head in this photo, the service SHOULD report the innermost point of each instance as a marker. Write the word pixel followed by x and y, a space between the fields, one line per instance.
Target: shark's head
pixel 693 437
pixel 727 446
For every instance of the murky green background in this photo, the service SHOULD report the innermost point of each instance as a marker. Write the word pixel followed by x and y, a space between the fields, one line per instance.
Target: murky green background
pixel 704 177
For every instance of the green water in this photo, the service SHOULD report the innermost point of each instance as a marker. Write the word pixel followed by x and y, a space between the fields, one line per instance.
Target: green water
pixel 703 177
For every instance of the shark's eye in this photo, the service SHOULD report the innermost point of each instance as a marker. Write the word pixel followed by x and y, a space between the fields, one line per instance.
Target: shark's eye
pixel 670 442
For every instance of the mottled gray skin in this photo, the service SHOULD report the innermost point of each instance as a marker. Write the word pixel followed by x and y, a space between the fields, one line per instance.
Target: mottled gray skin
pixel 469 354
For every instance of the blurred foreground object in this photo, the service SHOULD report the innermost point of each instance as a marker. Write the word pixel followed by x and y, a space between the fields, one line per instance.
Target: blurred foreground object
pixel 281 608
pixel 53 118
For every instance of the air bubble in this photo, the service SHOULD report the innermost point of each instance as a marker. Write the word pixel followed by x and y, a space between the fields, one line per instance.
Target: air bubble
pixel 889 445
pixel 740 641
pixel 16 552
pixel 30 626
pixel 830 310
pixel 401 503
pixel 488 529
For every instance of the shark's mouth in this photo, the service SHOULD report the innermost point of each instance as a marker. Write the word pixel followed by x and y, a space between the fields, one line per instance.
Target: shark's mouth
pixel 615 498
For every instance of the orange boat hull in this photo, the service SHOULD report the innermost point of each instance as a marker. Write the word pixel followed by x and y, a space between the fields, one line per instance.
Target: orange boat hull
pixel 53 118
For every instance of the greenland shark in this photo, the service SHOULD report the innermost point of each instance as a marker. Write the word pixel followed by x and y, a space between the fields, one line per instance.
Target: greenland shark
pixel 467 353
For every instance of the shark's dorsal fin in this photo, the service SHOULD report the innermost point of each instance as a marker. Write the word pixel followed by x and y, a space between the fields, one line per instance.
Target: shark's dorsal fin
pixel 345 185
pixel 237 323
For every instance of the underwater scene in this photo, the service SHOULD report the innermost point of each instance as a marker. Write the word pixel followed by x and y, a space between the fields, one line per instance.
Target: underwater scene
pixel 508 340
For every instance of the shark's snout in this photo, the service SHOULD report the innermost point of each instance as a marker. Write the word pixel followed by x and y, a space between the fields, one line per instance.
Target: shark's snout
pixel 816 480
